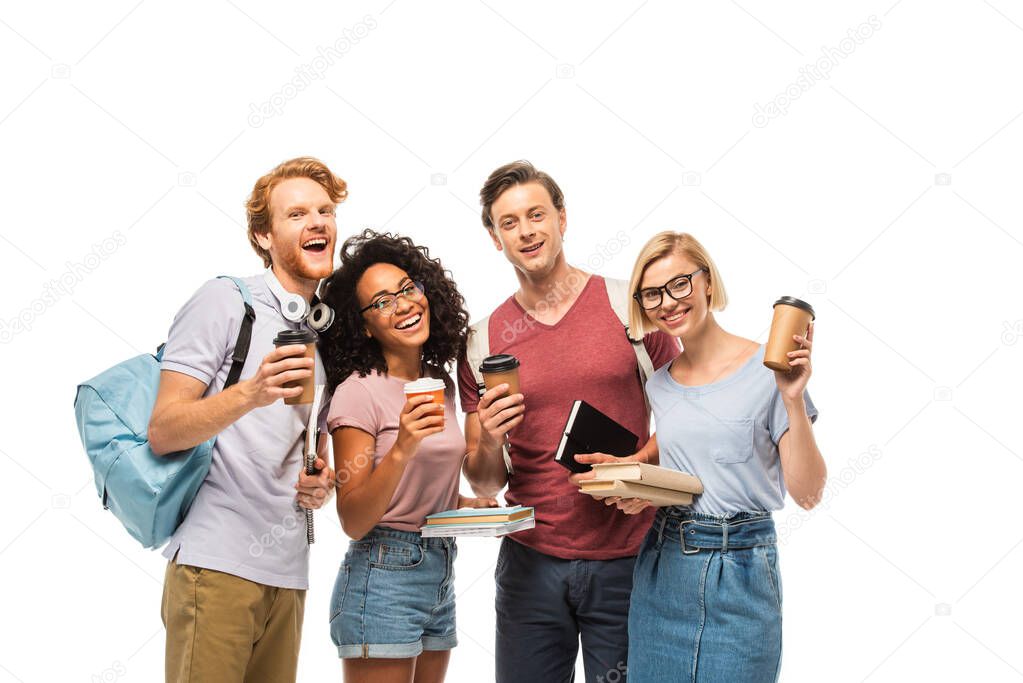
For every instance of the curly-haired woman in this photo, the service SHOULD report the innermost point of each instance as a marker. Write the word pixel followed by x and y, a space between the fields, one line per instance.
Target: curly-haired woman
pixel 399 318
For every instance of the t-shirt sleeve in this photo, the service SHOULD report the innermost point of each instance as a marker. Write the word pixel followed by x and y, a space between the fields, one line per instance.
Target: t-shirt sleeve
pixel 352 406
pixel 468 394
pixel 204 331
pixel 778 419
pixel 661 347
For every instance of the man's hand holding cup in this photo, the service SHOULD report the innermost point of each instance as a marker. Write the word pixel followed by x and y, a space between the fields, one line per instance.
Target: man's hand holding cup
pixel 499 413
pixel 282 365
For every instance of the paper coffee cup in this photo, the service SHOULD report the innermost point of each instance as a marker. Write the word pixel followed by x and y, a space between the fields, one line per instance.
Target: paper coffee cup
pixel 502 368
pixel 427 386
pixel 307 337
pixel 791 316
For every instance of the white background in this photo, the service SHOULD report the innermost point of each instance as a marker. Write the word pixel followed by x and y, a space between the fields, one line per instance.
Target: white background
pixel 134 123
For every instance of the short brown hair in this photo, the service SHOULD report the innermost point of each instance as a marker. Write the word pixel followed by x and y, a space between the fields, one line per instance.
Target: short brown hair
pixel 509 175
pixel 257 208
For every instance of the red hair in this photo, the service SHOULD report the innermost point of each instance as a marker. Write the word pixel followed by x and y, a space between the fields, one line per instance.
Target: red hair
pixel 257 208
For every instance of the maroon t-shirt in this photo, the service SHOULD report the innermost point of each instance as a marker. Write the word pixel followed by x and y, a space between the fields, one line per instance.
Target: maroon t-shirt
pixel 587 356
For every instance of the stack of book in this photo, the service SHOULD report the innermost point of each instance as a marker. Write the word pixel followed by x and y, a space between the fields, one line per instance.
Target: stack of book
pixel 661 486
pixel 479 522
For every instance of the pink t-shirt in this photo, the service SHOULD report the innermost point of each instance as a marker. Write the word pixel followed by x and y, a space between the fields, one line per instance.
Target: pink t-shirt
pixel 584 356
pixel 430 481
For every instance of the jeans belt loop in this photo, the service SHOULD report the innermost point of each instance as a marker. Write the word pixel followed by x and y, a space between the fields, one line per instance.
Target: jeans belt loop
pixel 724 537
pixel 660 528
pixel 682 538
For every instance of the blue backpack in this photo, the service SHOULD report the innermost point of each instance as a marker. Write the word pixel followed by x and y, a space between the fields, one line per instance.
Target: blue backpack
pixel 149 494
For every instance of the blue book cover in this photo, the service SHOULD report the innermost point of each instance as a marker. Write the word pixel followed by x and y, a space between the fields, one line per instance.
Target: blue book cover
pixel 476 512
pixel 477 524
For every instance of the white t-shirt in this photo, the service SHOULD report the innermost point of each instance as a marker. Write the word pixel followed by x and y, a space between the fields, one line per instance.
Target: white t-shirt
pixel 244 520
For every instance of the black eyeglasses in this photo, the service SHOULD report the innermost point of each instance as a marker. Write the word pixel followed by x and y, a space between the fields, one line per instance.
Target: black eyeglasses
pixel 386 304
pixel 678 287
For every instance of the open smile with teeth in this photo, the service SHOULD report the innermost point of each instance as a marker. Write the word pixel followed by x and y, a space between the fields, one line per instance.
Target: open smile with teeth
pixel 316 244
pixel 531 248
pixel 676 316
pixel 409 323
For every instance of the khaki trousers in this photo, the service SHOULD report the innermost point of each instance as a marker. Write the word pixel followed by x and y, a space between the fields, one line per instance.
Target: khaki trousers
pixel 225 629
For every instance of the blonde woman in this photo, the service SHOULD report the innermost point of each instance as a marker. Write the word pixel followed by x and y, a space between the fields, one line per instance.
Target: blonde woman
pixel 706 597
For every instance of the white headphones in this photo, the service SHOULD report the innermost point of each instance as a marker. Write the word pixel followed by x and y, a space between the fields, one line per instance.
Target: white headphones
pixel 295 308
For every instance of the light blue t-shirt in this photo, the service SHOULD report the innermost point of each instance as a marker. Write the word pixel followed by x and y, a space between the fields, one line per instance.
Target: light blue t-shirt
pixel 726 433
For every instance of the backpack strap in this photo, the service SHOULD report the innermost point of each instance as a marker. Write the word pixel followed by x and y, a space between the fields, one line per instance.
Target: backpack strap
pixel 241 346
pixel 476 349
pixel 620 297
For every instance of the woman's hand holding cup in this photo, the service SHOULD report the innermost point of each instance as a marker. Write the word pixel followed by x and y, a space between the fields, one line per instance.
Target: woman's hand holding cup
pixel 419 419
pixel 791 384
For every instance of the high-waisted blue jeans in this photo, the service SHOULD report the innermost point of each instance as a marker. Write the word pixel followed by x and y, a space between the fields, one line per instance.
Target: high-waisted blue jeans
pixel 706 600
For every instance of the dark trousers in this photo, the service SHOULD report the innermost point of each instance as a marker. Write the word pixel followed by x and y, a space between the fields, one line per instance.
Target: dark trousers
pixel 545 605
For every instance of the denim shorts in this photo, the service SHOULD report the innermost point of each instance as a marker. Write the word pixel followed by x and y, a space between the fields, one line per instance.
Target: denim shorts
pixel 706 600
pixel 394 596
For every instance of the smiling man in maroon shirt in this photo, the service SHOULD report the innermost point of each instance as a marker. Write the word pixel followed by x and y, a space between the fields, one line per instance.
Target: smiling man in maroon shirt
pixel 571 576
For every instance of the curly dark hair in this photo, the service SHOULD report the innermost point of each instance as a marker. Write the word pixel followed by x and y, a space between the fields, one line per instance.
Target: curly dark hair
pixel 344 346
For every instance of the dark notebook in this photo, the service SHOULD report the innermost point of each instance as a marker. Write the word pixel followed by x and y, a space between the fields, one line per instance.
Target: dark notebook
pixel 590 431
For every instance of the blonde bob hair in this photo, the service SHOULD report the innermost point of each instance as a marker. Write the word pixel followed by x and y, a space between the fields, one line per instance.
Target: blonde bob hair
pixel 665 244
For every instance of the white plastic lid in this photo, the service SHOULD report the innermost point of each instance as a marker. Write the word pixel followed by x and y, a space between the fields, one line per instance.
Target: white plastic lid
pixel 423 385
